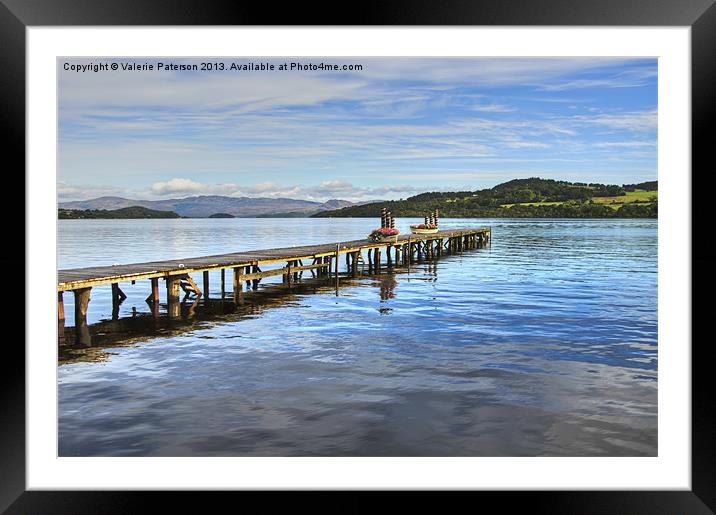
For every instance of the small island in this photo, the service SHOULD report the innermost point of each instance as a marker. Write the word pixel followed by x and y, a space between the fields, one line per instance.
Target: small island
pixel 221 215
pixel 125 213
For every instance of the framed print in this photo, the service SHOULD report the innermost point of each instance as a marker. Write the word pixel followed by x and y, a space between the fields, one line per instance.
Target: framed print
pixel 427 251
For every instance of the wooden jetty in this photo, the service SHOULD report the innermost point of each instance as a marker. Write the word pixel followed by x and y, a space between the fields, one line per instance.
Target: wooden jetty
pixel 249 268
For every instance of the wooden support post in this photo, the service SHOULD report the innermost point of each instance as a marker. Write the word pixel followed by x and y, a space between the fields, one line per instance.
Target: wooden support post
pixel 155 291
pixel 376 259
pixel 60 319
pixel 287 277
pixel 338 247
pixel 118 297
pixel 153 299
pixel 387 256
pixel 205 277
pixel 255 269
pixel 82 333
pixel 355 263
pixel 173 304
pixel 120 294
pixel 295 274
pixel 238 287
pixel 223 284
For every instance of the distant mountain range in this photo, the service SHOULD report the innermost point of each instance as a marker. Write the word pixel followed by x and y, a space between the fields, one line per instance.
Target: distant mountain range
pixel 207 205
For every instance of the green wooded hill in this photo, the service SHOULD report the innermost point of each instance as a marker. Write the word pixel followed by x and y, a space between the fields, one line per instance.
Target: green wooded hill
pixel 123 213
pixel 523 198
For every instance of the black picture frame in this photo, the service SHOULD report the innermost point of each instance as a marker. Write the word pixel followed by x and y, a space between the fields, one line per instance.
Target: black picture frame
pixel 700 15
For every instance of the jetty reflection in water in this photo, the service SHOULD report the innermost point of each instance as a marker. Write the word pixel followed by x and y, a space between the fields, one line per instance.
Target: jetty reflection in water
pixel 199 313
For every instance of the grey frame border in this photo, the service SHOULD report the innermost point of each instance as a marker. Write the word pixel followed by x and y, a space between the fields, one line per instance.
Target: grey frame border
pixel 700 15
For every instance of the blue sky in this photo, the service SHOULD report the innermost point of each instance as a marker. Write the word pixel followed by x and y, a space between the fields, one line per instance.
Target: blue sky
pixel 397 127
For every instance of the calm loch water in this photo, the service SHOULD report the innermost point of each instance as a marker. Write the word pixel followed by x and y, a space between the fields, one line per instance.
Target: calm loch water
pixel 542 344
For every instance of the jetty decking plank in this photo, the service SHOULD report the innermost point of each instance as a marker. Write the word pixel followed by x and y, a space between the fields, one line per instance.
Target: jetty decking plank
pixel 76 278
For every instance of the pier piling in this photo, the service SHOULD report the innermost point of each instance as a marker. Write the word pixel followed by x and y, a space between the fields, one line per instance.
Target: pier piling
pixel 205 277
pixel 82 334
pixel 238 286
pixel 60 318
pixel 173 304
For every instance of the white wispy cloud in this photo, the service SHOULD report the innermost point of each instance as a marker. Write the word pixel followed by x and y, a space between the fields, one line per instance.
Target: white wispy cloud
pixel 626 144
pixel 626 79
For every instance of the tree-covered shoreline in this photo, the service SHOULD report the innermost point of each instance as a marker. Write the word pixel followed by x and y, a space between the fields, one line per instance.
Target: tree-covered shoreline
pixel 134 212
pixel 523 198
